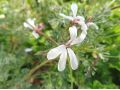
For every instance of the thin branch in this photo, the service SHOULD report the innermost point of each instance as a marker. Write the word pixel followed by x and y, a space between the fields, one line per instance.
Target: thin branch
pixel 115 7
pixel 32 71
pixel 49 38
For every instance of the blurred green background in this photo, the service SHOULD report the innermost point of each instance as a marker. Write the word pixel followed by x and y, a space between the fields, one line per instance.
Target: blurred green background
pixel 16 64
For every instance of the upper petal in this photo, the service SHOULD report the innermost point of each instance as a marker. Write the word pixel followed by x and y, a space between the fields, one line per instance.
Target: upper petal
pixel 62 60
pixel 83 26
pixel 73 59
pixel 73 32
pixel 27 25
pixel 53 53
pixel 74 9
pixel 31 22
pixel 80 38
pixel 81 18
pixel 66 17
pixel 92 24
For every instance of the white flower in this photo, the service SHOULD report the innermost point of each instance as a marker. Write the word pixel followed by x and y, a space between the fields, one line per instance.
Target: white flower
pixel 30 23
pixel 36 35
pixel 74 9
pixel 63 50
pixel 2 16
pixel 73 35
pixel 84 28
pixel 92 24
pixel 28 50
pixel 80 38
pixel 81 21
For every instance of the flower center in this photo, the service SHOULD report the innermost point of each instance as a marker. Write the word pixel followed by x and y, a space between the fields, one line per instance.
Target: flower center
pixel 39 28
pixel 75 21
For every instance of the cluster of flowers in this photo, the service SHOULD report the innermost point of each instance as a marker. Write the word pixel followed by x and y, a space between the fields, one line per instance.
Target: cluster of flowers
pixel 64 49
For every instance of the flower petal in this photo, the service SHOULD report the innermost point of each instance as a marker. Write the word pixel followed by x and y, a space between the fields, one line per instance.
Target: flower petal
pixel 73 32
pixel 28 50
pixel 73 59
pixel 83 25
pixel 53 53
pixel 2 16
pixel 80 38
pixel 27 25
pixel 31 22
pixel 74 9
pixel 81 18
pixel 62 60
pixel 66 17
pixel 92 24
pixel 36 35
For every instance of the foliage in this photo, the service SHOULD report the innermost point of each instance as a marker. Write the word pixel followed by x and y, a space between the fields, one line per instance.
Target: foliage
pixel 98 55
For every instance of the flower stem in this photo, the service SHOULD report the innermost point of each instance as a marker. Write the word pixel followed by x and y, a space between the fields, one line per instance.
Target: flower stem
pixel 71 75
pixel 49 38
pixel 115 7
pixel 32 71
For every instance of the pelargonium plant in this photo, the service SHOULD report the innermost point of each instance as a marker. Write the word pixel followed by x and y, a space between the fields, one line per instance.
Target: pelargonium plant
pixel 63 50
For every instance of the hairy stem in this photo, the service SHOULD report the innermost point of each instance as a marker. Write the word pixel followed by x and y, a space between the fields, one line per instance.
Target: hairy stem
pixel 32 71
pixel 115 7
pixel 49 38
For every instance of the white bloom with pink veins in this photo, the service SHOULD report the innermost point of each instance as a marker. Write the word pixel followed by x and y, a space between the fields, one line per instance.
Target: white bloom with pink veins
pixel 30 23
pixel 63 50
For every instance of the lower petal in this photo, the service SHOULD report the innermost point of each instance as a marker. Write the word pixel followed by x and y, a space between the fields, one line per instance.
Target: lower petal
pixel 73 59
pixel 62 61
pixel 36 35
